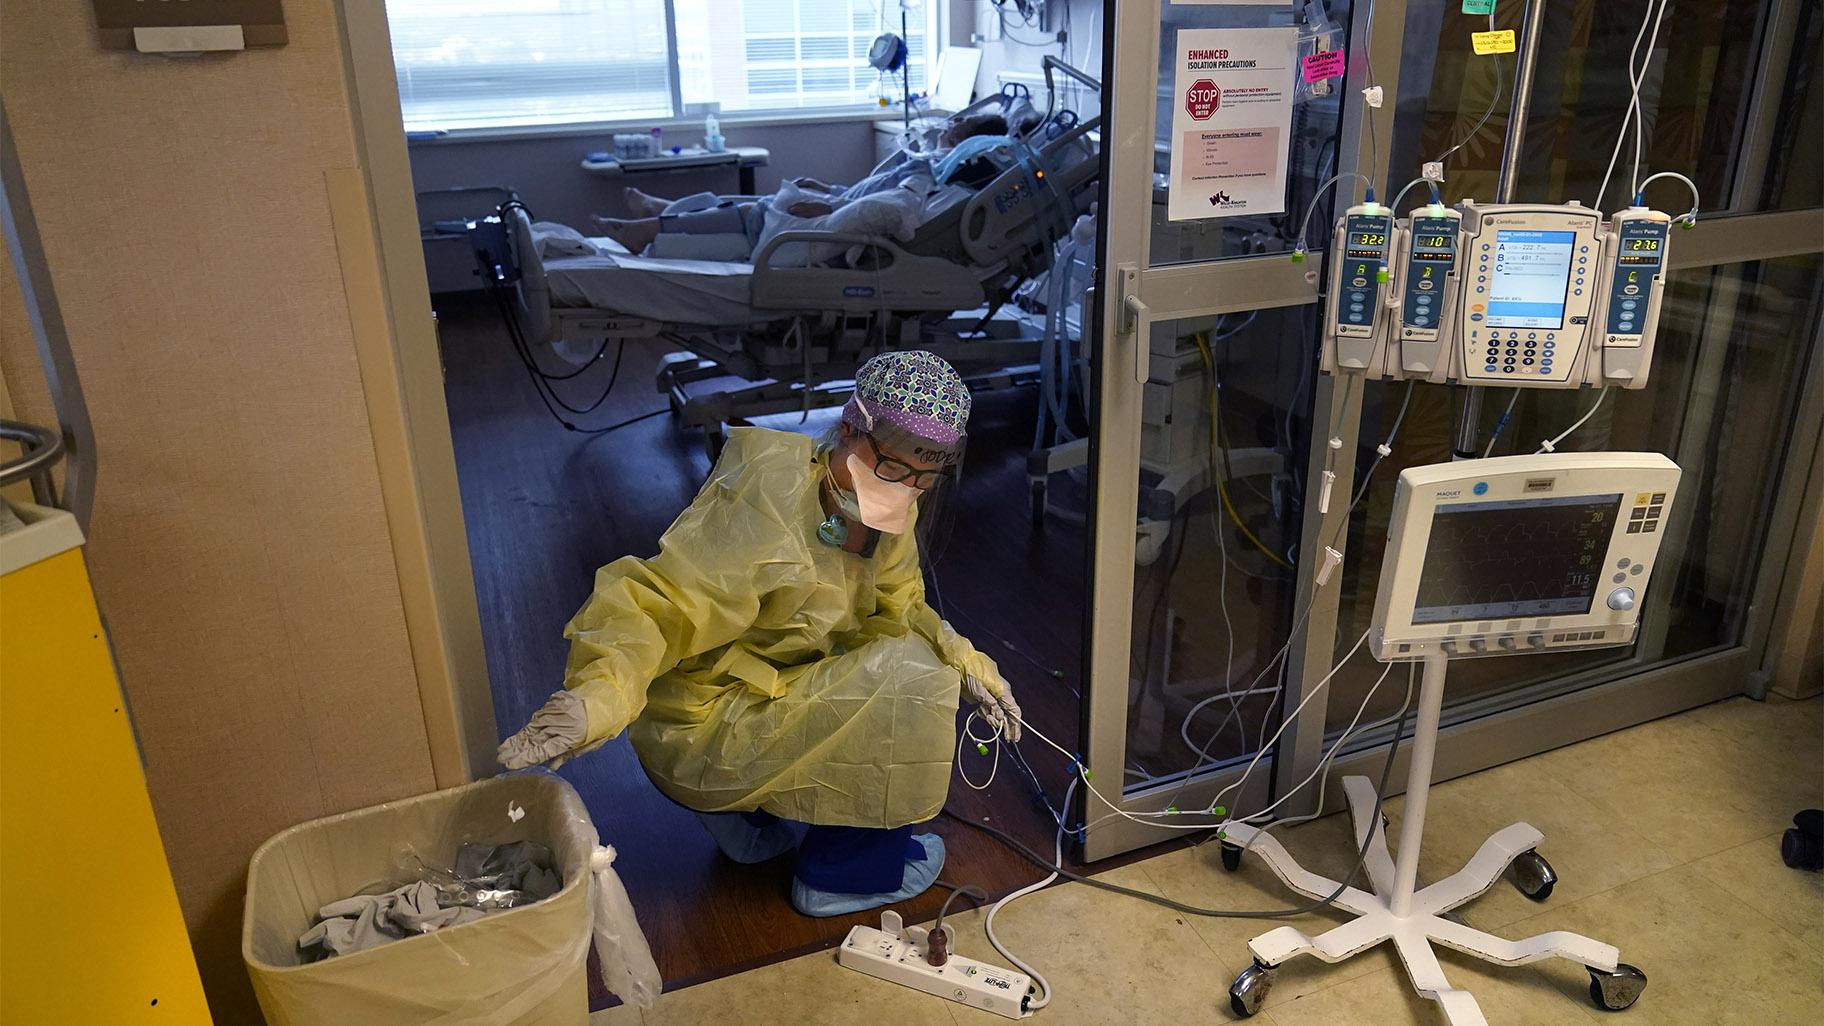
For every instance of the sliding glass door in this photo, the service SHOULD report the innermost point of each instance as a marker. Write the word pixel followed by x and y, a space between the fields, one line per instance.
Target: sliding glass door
pixel 1213 426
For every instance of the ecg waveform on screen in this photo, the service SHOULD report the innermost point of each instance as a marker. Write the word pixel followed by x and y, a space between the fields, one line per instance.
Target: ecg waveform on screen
pixel 1491 560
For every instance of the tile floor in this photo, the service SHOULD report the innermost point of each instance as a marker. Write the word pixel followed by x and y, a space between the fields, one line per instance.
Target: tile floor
pixel 1666 842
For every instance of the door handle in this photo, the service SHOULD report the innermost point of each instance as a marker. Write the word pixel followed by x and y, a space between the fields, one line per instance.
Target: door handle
pixel 1136 318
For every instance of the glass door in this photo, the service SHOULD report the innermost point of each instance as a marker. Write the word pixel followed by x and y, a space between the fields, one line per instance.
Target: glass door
pixel 1214 429
pixel 1205 409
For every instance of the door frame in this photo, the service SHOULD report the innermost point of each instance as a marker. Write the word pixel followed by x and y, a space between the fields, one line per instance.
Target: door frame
pixel 374 210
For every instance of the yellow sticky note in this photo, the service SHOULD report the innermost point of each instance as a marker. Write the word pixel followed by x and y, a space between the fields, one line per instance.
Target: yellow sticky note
pixel 1492 42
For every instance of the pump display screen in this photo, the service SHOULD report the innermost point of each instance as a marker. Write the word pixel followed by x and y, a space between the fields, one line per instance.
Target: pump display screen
pixel 1367 238
pixel 1531 276
pixel 1514 558
pixel 1433 246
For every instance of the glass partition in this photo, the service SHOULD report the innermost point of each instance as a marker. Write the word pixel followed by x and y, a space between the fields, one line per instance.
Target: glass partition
pixel 1728 373
pixel 1311 153
pixel 1695 90
pixel 1221 471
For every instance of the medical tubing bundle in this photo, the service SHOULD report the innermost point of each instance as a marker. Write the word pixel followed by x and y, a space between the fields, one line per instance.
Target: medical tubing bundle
pixel 1020 848
pixel 541 379
pixel 1501 424
pixel 1654 16
pixel 1493 99
pixel 1304 226
pixel 1382 451
pixel 1329 758
pixel 1551 444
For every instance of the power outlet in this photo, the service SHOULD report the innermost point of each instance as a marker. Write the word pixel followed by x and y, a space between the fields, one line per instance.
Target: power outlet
pixel 897 954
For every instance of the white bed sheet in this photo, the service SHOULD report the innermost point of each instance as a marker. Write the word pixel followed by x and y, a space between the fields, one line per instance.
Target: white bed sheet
pixel 701 292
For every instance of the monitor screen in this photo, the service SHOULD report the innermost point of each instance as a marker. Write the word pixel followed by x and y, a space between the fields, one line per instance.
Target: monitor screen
pixel 1515 557
pixel 1532 274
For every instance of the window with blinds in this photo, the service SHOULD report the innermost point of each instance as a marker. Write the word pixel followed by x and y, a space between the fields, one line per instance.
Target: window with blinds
pixel 514 63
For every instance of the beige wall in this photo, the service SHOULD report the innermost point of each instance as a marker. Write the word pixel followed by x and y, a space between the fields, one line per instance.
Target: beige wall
pixel 239 543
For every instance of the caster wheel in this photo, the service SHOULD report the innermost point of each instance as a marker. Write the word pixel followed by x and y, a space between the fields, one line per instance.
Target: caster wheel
pixel 1534 876
pixel 1231 858
pixel 1249 991
pixel 1615 991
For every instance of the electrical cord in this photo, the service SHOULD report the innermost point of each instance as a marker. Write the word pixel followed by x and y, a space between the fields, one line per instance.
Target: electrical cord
pixel 1222 491
pixel 1324 783
pixel 956 891
pixel 1057 859
pixel 1267 812
pixel 1382 451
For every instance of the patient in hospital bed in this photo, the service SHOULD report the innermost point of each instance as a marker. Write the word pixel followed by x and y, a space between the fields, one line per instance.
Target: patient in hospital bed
pixel 890 202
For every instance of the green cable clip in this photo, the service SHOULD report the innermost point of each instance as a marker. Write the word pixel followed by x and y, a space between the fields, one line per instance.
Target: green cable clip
pixel 1220 810
pixel 1171 810
pixel 1057 674
pixel 1222 835
pixel 1380 276
pixel 1298 256
pixel 981 749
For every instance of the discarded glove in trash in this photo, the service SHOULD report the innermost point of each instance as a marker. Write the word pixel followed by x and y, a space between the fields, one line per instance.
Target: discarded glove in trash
pixel 484 879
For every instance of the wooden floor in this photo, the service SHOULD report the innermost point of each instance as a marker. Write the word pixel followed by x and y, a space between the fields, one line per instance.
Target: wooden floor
pixel 546 507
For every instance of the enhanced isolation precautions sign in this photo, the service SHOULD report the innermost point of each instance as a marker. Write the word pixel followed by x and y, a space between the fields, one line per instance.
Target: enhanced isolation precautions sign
pixel 1232 122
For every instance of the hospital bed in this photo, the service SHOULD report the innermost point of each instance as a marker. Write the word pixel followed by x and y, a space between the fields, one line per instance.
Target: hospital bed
pixel 798 331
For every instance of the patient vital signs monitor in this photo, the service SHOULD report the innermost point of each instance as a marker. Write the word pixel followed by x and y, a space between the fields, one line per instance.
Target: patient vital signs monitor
pixel 1521 553
pixel 1522 295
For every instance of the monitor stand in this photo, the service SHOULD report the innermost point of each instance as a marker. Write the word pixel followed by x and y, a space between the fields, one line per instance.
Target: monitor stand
pixel 1415 920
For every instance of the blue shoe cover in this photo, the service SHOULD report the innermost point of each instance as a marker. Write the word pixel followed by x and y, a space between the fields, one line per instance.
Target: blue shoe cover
pixel 746 843
pixel 920 875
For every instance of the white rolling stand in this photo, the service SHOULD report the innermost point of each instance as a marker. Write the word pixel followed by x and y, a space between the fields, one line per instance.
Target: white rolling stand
pixel 1485 557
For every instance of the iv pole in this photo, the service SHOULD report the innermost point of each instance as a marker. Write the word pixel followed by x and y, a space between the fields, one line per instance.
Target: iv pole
pixel 1469 421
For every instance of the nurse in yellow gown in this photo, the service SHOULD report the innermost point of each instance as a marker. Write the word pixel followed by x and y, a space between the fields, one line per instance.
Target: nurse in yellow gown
pixel 776 665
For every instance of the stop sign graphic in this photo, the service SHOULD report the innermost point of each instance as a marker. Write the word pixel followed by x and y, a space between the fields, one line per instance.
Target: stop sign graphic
pixel 1202 99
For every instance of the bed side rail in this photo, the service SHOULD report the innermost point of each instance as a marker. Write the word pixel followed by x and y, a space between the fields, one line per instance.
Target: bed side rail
pixel 899 281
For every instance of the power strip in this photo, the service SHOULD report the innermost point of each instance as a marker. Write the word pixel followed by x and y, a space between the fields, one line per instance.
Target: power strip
pixel 897 954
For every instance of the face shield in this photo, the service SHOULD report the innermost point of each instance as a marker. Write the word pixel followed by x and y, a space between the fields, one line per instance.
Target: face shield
pixel 898 475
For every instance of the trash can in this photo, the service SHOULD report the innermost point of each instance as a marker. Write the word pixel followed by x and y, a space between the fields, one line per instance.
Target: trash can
pixel 521 966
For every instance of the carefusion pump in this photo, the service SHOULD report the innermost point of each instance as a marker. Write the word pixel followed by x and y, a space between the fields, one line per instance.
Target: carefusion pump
pixel 1490 557
pixel 1513 294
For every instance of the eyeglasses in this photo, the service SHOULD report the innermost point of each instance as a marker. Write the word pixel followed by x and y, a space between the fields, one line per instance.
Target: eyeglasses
pixel 900 472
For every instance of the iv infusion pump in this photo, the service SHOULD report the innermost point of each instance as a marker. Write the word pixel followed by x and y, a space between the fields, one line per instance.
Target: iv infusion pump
pixel 1515 295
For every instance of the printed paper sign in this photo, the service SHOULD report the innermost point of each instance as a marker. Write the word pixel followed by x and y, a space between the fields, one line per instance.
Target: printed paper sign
pixel 1478 6
pixel 1492 42
pixel 1324 64
pixel 1232 120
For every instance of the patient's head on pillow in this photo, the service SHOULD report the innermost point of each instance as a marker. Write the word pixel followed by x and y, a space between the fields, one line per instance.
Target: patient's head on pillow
pixel 971 126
